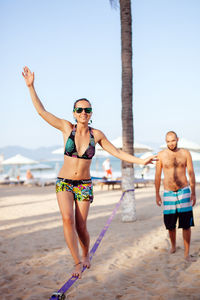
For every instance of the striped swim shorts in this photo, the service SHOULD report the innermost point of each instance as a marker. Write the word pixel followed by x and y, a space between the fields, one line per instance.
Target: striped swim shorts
pixel 178 205
pixel 81 189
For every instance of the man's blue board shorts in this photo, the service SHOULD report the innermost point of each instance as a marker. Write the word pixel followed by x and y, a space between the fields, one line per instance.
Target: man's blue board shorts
pixel 178 205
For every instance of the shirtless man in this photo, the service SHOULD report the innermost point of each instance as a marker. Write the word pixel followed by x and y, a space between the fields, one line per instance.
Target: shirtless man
pixel 178 196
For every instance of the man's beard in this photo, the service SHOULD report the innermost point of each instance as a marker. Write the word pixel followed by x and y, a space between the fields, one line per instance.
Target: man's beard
pixel 174 149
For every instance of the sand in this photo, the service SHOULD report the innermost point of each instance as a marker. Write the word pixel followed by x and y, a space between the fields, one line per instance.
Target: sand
pixel 132 261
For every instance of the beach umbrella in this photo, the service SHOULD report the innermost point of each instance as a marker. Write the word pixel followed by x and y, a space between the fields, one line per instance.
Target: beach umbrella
pixel 58 151
pixel 1 160
pixel 195 156
pixel 18 160
pixel 99 152
pixel 186 144
pixel 138 148
pixel 145 155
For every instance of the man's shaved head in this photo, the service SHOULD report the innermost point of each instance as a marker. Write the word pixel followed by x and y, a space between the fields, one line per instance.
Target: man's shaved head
pixel 171 132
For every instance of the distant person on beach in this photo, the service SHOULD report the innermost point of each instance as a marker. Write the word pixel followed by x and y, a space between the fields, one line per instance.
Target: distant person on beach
pixel 29 175
pixel 145 170
pixel 107 168
pixel 179 195
pixel 74 184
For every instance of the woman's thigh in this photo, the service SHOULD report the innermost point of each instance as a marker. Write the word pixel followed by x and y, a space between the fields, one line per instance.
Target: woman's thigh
pixel 66 204
pixel 81 212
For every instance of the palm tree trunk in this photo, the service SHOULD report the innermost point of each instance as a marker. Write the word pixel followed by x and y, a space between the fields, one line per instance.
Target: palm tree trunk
pixel 128 205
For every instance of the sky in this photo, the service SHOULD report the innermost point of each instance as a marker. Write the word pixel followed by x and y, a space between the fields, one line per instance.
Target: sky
pixel 74 48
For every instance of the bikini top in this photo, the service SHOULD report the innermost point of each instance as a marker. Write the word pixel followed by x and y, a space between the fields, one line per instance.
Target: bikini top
pixel 70 146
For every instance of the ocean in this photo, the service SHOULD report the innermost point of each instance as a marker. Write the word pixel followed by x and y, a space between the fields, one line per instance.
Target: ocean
pixel 96 169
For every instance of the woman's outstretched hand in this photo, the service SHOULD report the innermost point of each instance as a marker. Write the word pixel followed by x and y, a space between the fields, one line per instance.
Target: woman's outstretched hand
pixel 28 76
pixel 150 159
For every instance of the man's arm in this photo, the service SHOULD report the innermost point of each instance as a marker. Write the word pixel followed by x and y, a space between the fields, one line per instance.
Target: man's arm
pixel 158 180
pixel 191 175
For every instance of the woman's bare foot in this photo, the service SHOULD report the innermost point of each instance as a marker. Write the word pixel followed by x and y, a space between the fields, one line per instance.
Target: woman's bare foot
pixel 86 261
pixel 78 270
pixel 173 250
pixel 190 258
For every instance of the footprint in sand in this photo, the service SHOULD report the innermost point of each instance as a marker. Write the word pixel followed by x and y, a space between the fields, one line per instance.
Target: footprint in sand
pixel 112 267
pixel 10 277
pixel 118 296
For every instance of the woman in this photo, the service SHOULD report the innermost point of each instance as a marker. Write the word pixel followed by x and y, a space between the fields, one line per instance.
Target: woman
pixel 74 185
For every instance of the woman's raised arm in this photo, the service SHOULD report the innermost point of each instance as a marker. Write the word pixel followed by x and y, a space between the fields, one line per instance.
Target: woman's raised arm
pixel 47 116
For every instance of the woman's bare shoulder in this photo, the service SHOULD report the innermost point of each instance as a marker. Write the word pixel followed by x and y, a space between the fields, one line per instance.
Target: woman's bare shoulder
pixel 98 134
pixel 67 126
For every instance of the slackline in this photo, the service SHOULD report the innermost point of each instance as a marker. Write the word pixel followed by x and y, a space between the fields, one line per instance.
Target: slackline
pixel 60 294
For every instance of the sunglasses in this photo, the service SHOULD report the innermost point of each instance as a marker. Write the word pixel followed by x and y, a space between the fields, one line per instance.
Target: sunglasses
pixel 79 110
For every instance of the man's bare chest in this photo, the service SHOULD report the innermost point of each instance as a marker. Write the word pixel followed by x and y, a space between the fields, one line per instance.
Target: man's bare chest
pixel 174 162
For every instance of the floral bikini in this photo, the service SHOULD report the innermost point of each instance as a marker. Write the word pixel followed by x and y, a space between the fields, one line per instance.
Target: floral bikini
pixel 70 147
pixel 82 189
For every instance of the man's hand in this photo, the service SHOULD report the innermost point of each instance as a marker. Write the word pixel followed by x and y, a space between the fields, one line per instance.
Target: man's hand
pixel 193 199
pixel 158 200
